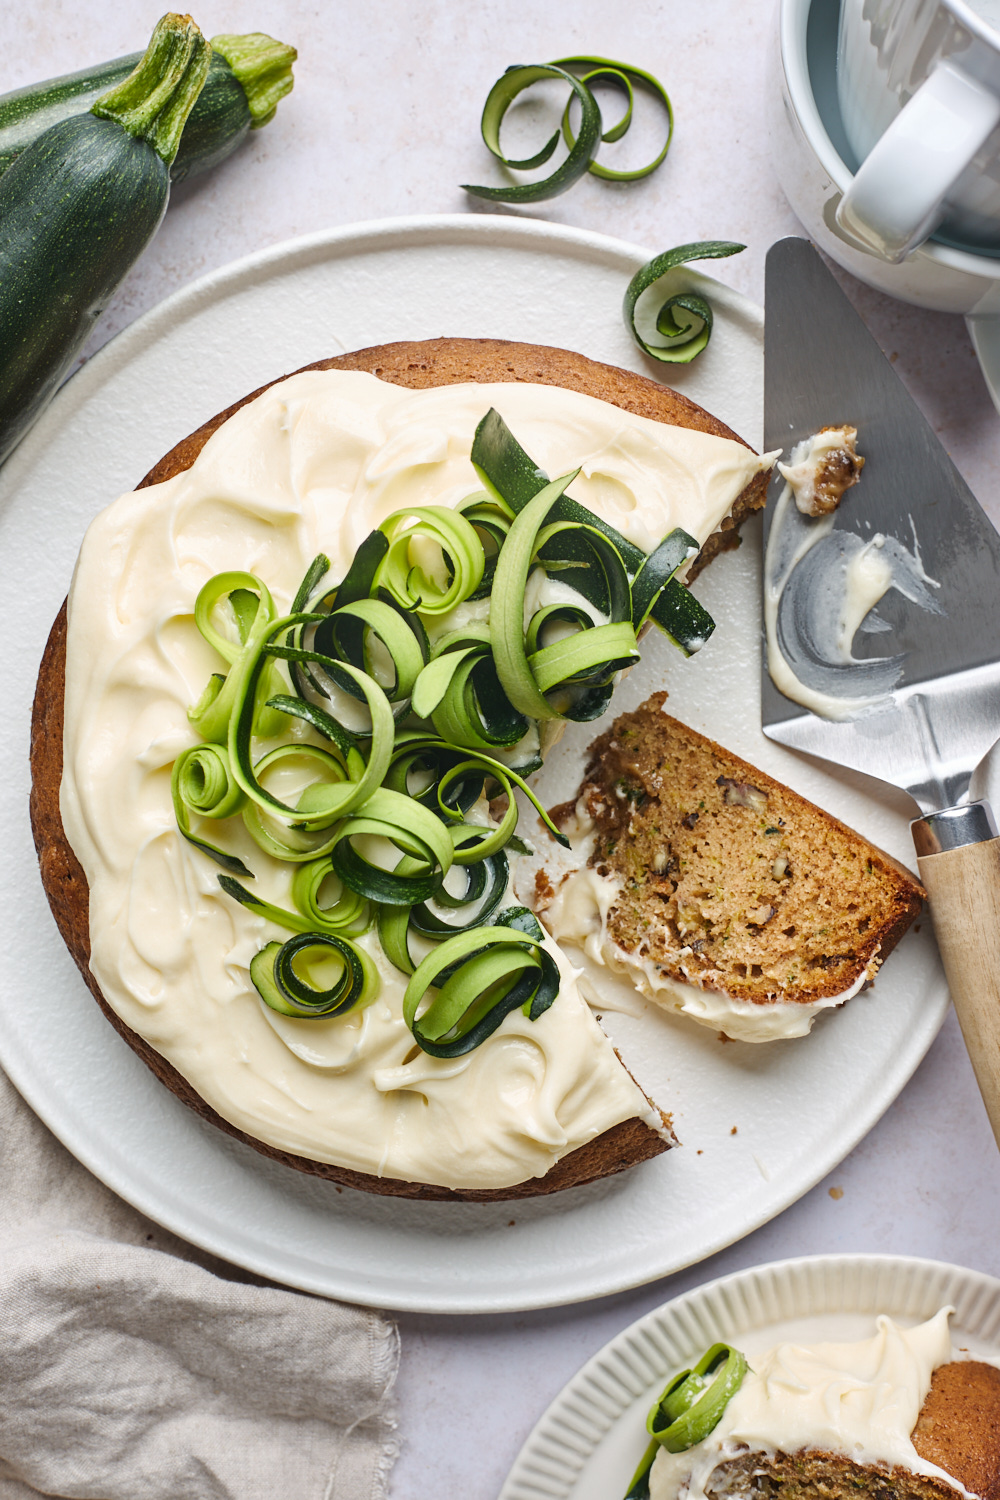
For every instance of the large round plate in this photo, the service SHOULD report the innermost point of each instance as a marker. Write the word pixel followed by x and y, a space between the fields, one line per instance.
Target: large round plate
pixel 588 1443
pixel 799 1107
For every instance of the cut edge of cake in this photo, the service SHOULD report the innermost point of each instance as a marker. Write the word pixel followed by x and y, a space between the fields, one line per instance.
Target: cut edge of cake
pixel 957 1431
pixel 717 890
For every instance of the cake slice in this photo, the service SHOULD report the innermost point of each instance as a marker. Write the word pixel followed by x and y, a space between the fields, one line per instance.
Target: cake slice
pixel 957 1431
pixel 891 1416
pixel 717 890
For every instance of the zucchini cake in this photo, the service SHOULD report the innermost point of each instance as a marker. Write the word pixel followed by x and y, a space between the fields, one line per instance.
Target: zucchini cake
pixel 359 705
pixel 895 1415
pixel 719 892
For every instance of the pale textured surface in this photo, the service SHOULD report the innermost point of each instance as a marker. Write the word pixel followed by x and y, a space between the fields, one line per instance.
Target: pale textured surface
pixel 384 121
pixel 135 1368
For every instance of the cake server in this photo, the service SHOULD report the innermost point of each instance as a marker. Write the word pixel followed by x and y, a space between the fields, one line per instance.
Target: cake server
pixel 928 733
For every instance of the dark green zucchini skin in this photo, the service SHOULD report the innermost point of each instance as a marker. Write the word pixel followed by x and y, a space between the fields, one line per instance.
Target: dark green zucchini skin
pixel 217 124
pixel 215 127
pixel 77 209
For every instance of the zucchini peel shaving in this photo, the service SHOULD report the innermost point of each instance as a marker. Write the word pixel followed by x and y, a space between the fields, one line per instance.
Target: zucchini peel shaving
pixel 579 73
pixel 353 737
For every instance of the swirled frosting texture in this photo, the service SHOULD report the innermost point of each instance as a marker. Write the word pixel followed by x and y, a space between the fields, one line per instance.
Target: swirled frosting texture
pixel 860 1400
pixel 312 466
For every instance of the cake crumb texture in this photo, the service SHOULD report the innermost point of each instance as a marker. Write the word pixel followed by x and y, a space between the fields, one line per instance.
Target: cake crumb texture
pixel 730 881
pixel 820 1476
pixel 958 1430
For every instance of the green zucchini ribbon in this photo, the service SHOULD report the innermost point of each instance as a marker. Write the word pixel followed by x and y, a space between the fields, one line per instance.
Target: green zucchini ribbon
pixel 584 144
pixel 355 735
pixel 202 783
pixel 315 975
pixel 621 76
pixel 507 471
pixel 689 329
pixel 482 975
pixel 689 1409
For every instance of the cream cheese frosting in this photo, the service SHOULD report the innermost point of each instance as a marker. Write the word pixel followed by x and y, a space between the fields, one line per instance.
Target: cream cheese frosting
pixel 313 465
pixel 821 587
pixel 823 466
pixel 860 1400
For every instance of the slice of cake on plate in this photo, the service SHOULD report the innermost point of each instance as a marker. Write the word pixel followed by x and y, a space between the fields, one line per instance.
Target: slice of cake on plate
pixel 719 892
pixel 895 1415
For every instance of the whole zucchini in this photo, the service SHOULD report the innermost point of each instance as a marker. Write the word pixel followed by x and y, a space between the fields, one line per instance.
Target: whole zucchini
pixel 77 209
pixel 247 77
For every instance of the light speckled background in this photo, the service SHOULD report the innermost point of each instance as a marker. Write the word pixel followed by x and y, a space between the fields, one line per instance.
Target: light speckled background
pixel 384 122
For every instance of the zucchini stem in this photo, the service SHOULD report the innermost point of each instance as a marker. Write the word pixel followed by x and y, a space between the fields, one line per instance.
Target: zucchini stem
pixel 264 69
pixel 154 101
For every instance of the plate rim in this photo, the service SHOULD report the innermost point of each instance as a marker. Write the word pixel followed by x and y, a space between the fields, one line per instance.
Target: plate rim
pixel 189 1221
pixel 366 233
pixel 523 1482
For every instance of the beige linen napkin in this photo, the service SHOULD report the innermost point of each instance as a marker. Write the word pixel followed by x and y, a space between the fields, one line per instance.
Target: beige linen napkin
pixel 133 1367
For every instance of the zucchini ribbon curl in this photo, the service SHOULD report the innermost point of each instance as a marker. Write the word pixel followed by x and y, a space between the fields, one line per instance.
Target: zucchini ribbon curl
pixel 689 1409
pixel 579 73
pixel 357 739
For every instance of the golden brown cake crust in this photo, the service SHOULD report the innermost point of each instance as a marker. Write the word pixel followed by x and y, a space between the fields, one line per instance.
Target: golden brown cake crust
pixel 959 1425
pixel 415 365
pixel 731 880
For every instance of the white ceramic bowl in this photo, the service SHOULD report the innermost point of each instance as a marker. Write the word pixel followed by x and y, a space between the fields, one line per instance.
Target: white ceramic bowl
pixel 803 122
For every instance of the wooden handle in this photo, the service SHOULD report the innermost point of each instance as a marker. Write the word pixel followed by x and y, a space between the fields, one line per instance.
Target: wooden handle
pixel 964 889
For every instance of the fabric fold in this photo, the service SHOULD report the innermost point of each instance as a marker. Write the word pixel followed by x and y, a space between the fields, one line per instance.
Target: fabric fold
pixel 131 1369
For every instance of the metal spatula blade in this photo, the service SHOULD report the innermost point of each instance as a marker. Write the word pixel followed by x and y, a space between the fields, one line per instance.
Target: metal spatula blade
pixel 823 368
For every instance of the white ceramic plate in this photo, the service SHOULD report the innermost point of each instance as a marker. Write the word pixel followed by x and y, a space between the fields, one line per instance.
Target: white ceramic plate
pixel 798 1107
pixel 588 1443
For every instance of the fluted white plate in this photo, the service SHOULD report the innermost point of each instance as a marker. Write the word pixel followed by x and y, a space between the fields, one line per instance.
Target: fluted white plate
pixel 799 1107
pixel 588 1443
